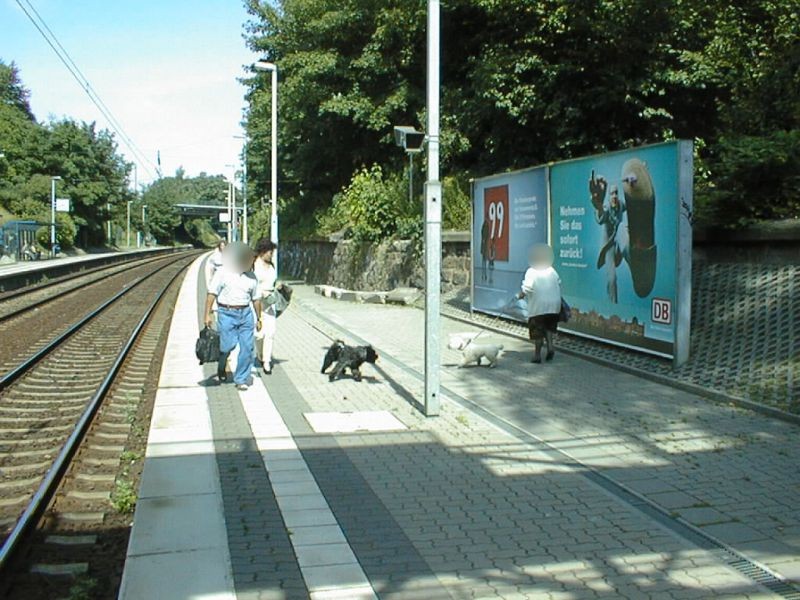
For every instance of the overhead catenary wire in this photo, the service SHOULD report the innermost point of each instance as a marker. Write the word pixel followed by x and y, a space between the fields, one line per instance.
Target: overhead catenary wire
pixel 83 82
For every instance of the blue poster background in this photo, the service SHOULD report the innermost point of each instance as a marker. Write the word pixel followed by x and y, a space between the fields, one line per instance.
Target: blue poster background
pixel 496 282
pixel 579 240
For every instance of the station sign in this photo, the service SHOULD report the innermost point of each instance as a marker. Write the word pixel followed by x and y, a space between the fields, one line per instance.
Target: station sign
pixel 63 205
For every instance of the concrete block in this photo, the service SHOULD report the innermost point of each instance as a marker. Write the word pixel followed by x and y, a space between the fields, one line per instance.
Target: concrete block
pixel 403 295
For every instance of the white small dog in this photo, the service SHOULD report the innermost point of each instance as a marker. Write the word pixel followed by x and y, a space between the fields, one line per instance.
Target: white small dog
pixel 472 352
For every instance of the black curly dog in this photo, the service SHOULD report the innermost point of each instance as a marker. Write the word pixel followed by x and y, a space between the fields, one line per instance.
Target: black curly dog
pixel 347 357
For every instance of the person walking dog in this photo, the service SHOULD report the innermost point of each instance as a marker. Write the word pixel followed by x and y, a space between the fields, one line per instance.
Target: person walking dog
pixel 542 289
pixel 267 276
pixel 234 288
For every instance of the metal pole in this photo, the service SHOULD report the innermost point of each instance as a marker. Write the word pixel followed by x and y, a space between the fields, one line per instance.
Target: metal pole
pixel 273 230
pixel 245 235
pixel 410 178
pixel 108 222
pixel 128 227
pixel 230 216
pixel 433 221
pixel 144 224
pixel 52 215
pixel 235 217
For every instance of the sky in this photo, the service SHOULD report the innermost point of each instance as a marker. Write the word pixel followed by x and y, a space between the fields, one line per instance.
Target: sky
pixel 167 69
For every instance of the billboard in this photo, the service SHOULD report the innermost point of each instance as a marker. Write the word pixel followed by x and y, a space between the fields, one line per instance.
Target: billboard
pixel 621 236
pixel 509 214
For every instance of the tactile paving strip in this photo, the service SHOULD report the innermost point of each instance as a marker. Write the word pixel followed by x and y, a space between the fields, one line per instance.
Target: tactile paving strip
pixel 745 338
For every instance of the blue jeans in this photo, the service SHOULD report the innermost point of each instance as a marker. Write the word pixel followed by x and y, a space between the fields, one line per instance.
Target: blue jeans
pixel 236 326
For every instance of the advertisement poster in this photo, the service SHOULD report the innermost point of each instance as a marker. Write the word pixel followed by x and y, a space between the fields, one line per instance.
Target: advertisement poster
pixel 509 215
pixel 622 243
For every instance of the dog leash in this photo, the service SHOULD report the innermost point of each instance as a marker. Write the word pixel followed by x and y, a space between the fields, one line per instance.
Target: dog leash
pixel 472 339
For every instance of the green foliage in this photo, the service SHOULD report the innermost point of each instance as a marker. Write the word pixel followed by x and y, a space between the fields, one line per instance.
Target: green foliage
pixel 83 588
pixel 12 93
pixel 371 208
pixel 457 207
pixel 123 498
pixel 526 82
pixel 758 179
pixel 163 220
pixel 93 173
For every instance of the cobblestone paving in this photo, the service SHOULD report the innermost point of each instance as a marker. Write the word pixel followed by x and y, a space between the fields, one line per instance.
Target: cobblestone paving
pixel 493 517
pixel 745 333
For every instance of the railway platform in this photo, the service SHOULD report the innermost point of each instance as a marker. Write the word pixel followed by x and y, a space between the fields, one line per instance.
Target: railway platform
pixel 563 480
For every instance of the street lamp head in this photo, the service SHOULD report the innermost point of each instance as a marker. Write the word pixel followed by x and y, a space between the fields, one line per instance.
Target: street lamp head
pixel 55 177
pixel 263 65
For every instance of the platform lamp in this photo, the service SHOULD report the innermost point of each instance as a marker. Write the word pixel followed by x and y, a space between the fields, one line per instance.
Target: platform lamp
pixel 411 141
pixel 53 180
pixel 263 65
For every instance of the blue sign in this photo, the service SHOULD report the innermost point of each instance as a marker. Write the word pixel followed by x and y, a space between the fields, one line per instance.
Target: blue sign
pixel 619 246
pixel 509 216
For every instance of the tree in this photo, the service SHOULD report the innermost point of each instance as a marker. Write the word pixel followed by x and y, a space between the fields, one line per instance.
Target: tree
pixel 12 93
pixel 524 83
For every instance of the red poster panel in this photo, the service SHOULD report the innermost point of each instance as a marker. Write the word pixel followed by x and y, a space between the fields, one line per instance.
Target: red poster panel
pixel 495 218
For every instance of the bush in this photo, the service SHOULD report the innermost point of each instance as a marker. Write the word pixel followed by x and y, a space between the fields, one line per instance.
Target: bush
pixel 373 207
pixel 457 206
pixel 750 179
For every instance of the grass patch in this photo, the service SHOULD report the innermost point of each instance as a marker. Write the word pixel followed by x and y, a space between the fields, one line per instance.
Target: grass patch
pixel 84 588
pixel 123 498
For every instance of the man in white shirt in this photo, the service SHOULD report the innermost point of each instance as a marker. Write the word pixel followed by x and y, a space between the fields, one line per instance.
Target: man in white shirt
pixel 234 288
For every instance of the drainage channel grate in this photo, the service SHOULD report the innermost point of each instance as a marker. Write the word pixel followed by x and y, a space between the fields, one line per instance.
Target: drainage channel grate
pixel 727 555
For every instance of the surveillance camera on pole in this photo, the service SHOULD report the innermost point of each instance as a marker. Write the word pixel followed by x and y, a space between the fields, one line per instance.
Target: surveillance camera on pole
pixel 410 140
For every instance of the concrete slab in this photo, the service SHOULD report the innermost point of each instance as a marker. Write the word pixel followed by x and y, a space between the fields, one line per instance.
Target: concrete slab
pixel 173 523
pixel 179 476
pixel 316 534
pixel 177 576
pixel 179 449
pixel 325 554
pixel 334 577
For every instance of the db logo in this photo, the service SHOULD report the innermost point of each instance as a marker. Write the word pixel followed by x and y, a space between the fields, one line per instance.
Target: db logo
pixel 661 311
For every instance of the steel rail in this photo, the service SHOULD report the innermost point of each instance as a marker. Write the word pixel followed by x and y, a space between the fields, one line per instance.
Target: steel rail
pixel 40 286
pixel 25 365
pixel 41 498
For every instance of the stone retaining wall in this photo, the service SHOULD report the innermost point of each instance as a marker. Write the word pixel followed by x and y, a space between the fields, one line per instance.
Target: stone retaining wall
pixel 371 267
pixel 381 267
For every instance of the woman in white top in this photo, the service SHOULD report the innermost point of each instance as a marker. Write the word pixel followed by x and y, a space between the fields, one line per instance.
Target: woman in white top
pixel 267 277
pixel 542 290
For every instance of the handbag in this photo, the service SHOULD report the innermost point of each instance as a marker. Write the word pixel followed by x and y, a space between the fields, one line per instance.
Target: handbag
pixel 279 298
pixel 206 349
pixel 565 314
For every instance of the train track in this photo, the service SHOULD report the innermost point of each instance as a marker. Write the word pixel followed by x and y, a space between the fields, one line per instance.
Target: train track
pixel 19 301
pixel 68 401
pixel 28 322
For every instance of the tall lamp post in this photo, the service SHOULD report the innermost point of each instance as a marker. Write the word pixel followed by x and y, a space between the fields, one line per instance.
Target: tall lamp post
pixel 144 224
pixel 273 227
pixel 232 210
pixel 128 228
pixel 433 220
pixel 244 188
pixel 53 180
